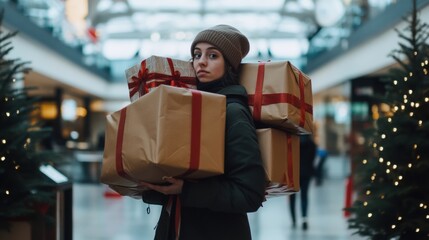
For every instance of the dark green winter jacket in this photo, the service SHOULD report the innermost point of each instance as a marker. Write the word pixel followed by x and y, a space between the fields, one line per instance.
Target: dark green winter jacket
pixel 216 207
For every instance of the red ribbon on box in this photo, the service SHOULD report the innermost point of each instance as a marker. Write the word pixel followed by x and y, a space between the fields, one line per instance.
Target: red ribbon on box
pixel 119 140
pixel 288 183
pixel 194 161
pixel 259 99
pixel 290 162
pixel 288 175
pixel 139 83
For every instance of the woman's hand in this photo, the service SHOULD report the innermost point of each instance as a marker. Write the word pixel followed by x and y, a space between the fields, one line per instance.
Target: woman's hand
pixel 175 186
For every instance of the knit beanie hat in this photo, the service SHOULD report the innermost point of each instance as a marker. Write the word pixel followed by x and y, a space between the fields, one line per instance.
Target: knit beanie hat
pixel 231 43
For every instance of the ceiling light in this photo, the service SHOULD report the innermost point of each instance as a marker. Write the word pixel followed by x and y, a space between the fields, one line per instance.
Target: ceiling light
pixel 329 12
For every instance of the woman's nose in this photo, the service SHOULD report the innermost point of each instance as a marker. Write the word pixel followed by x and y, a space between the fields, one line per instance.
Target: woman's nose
pixel 202 60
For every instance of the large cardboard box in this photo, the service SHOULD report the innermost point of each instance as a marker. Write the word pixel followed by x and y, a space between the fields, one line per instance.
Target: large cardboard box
pixel 169 131
pixel 156 70
pixel 280 156
pixel 280 95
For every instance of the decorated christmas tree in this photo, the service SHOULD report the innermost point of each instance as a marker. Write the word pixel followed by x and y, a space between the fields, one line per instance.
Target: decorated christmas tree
pixel 392 182
pixel 24 190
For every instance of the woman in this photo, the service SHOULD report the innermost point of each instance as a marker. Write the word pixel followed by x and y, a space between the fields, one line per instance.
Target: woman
pixel 216 207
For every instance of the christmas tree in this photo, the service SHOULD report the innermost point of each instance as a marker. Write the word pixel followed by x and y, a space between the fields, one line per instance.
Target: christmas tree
pixel 392 182
pixel 24 190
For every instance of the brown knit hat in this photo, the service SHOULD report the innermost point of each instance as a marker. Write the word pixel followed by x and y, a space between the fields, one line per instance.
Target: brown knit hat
pixel 231 43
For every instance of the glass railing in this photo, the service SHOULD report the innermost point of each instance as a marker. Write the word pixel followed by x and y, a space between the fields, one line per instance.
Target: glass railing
pixel 69 24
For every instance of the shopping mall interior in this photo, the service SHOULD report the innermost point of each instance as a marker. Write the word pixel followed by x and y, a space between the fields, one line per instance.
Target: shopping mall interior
pixel 79 52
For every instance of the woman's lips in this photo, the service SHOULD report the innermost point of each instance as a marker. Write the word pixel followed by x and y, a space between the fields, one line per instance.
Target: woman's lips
pixel 202 73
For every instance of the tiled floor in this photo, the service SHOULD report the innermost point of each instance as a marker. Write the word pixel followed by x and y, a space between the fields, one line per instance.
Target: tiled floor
pixel 99 218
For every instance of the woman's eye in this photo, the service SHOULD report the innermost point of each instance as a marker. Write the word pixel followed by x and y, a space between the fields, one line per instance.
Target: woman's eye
pixel 197 55
pixel 212 55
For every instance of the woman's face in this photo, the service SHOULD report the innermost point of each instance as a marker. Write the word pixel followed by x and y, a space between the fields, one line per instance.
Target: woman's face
pixel 209 64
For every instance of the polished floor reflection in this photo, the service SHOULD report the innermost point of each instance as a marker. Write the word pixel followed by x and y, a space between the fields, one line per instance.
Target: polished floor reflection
pixel 97 217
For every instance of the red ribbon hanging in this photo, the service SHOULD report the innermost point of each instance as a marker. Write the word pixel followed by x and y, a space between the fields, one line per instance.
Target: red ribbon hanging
pixel 259 99
pixel 140 83
pixel 177 214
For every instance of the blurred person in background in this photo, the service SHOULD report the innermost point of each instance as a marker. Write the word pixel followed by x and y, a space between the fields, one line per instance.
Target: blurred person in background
pixel 322 155
pixel 308 149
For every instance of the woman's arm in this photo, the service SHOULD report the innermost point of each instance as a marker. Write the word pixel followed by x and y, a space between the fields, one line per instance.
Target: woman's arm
pixel 154 197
